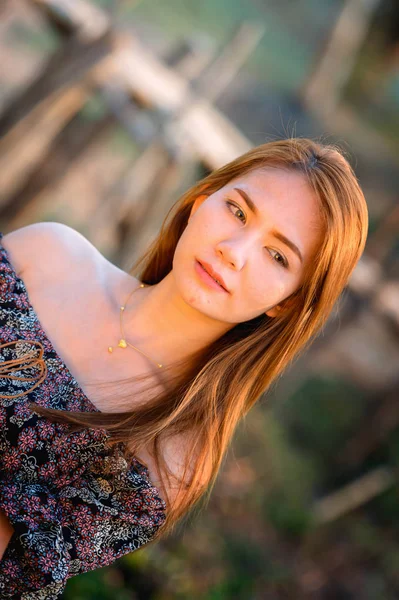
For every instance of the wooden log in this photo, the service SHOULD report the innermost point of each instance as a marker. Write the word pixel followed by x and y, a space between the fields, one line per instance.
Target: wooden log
pixel 126 198
pixel 153 84
pixel 189 57
pixel 83 18
pixel 66 149
pixel 212 136
pixel 323 90
pixel 353 495
pixel 81 188
pixel 218 76
pixel 28 142
pixel 67 66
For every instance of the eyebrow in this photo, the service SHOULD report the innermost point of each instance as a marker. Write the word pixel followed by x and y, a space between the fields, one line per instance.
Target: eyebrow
pixel 277 234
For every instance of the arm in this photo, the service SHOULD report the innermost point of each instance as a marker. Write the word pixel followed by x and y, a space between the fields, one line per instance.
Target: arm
pixel 6 531
pixel 87 524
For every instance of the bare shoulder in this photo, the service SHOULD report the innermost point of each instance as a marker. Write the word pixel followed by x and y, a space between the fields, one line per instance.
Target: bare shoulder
pixel 47 247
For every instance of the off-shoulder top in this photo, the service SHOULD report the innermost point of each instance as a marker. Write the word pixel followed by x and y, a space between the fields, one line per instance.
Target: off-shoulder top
pixel 75 504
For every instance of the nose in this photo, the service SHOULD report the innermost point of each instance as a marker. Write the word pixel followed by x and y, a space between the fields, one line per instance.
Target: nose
pixel 234 252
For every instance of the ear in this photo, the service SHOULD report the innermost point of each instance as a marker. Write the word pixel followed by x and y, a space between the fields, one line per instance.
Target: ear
pixel 273 312
pixel 279 309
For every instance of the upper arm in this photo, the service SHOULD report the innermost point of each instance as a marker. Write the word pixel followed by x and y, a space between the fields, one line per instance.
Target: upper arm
pixel 46 246
pixel 178 452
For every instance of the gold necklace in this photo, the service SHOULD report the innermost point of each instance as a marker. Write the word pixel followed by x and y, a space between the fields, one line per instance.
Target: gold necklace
pixel 122 342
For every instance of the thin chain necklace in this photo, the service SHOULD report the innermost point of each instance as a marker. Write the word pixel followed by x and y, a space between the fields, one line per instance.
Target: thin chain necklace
pixel 122 342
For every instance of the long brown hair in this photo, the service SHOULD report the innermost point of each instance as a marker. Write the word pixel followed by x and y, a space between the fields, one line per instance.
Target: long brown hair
pixel 210 392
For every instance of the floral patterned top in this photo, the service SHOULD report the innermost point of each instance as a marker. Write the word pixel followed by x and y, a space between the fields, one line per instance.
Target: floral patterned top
pixel 75 504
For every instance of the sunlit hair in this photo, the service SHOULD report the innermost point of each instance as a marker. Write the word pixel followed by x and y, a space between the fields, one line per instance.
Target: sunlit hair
pixel 210 392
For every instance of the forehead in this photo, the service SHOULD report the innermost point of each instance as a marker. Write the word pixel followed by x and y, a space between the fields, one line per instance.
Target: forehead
pixel 285 201
pixel 283 189
pixel 269 180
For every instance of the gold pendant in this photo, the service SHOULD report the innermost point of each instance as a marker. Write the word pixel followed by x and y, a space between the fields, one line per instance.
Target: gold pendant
pixel 122 343
pixel 110 349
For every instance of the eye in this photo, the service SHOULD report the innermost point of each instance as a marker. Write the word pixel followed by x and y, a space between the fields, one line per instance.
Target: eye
pixel 283 262
pixel 231 204
pixel 277 257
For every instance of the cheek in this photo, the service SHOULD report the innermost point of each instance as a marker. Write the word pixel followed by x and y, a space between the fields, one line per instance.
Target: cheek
pixel 200 234
pixel 267 293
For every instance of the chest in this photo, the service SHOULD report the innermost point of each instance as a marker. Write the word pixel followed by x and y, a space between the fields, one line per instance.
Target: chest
pixel 80 316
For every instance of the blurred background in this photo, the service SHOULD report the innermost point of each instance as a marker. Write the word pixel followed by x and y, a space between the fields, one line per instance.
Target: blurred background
pixel 109 110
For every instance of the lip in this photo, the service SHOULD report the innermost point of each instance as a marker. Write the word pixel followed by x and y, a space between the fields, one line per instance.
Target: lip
pixel 210 271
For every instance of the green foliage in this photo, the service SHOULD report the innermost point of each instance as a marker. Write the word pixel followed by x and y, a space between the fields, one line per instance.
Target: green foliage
pixel 243 556
pixel 393 447
pixel 237 587
pixel 91 586
pixel 287 514
pixel 322 412
pixel 390 562
pixel 386 506
pixel 364 535
pixel 105 4
pixel 294 471
pixel 245 565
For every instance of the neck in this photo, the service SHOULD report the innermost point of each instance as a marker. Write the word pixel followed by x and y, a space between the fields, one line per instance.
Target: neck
pixel 162 324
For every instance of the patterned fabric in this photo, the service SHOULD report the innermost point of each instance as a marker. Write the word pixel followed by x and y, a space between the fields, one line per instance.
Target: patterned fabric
pixel 75 504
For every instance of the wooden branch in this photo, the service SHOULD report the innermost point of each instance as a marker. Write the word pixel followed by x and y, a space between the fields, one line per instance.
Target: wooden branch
pixel 67 149
pixel 211 136
pixel 353 495
pixel 83 18
pixel 323 90
pixel 27 143
pixel 189 58
pixel 218 76
pixel 150 82
pixel 128 194
pixel 386 302
pixel 67 66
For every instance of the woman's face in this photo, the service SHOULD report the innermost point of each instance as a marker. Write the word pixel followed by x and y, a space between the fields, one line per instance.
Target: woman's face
pixel 260 252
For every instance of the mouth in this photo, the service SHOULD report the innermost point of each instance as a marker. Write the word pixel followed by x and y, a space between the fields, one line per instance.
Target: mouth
pixel 205 268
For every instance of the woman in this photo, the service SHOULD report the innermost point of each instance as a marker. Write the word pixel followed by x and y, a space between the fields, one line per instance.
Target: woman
pixel 244 272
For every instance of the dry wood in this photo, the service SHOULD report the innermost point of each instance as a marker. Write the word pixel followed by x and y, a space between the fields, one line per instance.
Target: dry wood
pixel 189 57
pixel 68 148
pixel 353 495
pixel 386 302
pixel 323 91
pixel 217 77
pixel 127 199
pixel 88 21
pixel 67 66
pixel 153 84
pixel 165 190
pixel 212 136
pixel 28 142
